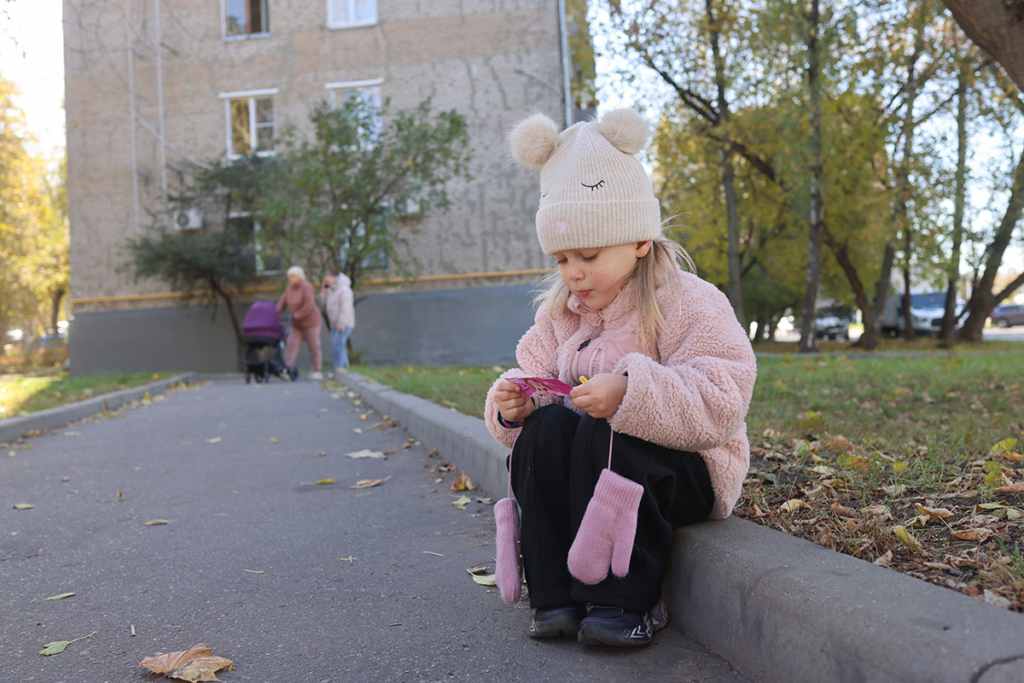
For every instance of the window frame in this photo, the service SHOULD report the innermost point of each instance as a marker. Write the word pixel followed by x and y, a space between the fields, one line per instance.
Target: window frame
pixel 243 36
pixel 257 226
pixel 334 26
pixel 251 96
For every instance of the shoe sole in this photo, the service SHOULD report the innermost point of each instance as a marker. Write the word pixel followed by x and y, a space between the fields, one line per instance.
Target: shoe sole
pixel 556 628
pixel 598 636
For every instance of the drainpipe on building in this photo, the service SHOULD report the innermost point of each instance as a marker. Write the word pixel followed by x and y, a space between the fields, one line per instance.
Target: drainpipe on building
pixel 160 109
pixel 566 65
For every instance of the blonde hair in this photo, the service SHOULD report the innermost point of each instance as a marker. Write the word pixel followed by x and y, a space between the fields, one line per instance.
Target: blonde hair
pixel 659 268
pixel 298 271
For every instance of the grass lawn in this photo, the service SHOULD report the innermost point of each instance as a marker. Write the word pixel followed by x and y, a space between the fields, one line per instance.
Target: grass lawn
pixel 886 344
pixel 20 394
pixel 907 462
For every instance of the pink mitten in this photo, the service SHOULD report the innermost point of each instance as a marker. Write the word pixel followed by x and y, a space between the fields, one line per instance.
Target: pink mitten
pixel 607 531
pixel 507 561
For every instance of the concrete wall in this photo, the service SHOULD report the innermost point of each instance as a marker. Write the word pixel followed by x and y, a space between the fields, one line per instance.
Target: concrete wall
pixel 477 326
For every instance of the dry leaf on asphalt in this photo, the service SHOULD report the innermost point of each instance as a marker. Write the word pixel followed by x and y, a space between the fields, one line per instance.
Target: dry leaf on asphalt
pixel 321 454
pixel 326 482
pixel 194 664
pixel 59 597
pixel 58 646
pixel 157 522
pixel 463 483
pixel 367 483
pixel 22 506
pixel 462 502
pixel 365 453
pixel 274 440
pixel 977 534
pixel 794 504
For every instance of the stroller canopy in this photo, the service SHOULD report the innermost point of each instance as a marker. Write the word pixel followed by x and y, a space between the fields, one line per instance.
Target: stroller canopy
pixel 262 320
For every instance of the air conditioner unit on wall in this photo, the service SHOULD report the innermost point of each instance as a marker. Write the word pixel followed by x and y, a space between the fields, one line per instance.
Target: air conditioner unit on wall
pixel 187 219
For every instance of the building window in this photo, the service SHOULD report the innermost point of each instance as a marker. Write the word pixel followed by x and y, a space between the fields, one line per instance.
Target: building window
pixel 351 13
pixel 245 18
pixel 257 240
pixel 369 92
pixel 250 122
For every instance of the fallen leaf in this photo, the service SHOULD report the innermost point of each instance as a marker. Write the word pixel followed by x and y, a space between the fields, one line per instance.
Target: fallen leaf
pixel 485 579
pixel 367 483
pixel 485 501
pixel 274 440
pixel 321 454
pixel 934 513
pixel 1003 446
pixel 72 433
pixel 157 522
pixel 462 502
pixel 1012 488
pixel 357 430
pixel 996 599
pixel 463 483
pixel 430 552
pixel 22 506
pixel 895 489
pixel 823 469
pixel 885 559
pixel 977 534
pixel 478 569
pixel 58 646
pixel 215 439
pixel 409 443
pixel 325 482
pixel 365 453
pixel 794 504
pixel 59 597
pixel 877 511
pixel 254 571
pixel 906 537
pixel 194 664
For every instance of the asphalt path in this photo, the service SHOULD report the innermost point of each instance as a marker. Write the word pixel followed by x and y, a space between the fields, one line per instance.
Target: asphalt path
pixel 250 562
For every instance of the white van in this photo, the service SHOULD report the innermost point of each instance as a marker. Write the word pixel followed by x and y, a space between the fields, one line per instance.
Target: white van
pixel 925 309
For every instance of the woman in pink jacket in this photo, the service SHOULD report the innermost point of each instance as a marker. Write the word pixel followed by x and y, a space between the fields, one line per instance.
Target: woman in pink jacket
pixel 300 299
pixel 652 435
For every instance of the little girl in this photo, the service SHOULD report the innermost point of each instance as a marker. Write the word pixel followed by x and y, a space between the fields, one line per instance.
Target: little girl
pixel 662 375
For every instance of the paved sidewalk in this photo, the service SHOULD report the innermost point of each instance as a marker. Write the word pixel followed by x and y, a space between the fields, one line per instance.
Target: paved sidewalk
pixel 404 610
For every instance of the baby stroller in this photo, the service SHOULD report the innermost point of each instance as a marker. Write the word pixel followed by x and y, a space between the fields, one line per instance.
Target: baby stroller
pixel 264 344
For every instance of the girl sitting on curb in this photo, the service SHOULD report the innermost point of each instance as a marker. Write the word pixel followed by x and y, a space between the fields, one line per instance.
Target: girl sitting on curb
pixel 662 375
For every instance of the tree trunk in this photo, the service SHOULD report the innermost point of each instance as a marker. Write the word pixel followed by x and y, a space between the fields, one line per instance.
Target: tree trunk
pixel 983 300
pixel 908 317
pixel 56 296
pixel 808 333
pixel 728 171
pixel 872 332
pixel 773 326
pixel 235 325
pixel 947 336
pixel 997 26
pixel 860 294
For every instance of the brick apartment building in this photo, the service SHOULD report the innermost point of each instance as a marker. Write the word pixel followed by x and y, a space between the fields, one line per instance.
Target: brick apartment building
pixel 155 86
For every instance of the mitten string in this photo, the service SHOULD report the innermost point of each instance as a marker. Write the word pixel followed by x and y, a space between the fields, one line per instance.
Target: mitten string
pixel 611 439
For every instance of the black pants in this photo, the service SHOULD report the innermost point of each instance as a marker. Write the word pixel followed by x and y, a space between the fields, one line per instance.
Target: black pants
pixel 555 465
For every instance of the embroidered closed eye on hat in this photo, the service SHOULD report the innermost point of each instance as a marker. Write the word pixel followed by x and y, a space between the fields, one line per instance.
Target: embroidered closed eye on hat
pixel 593 190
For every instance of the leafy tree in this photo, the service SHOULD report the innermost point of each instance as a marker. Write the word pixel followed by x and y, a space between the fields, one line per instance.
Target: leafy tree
pixel 335 198
pixel 215 263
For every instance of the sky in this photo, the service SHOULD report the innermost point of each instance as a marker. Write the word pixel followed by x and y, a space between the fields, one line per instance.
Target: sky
pixel 32 55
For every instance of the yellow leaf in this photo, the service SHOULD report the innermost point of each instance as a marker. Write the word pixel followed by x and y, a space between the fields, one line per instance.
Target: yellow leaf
pixel 22 506
pixel 1003 446
pixel 794 504
pixel 906 537
pixel 920 520
pixel 877 511
pixel 485 579
pixel 462 502
pixel 885 559
pixel 463 483
pixel 325 482
pixel 823 469
pixel 367 483
pixel 157 522
pixel 215 439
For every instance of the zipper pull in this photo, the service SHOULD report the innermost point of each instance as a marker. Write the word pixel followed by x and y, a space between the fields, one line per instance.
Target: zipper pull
pixel 583 346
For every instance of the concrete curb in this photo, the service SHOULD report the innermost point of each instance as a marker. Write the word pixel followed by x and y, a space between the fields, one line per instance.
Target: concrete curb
pixel 777 607
pixel 16 427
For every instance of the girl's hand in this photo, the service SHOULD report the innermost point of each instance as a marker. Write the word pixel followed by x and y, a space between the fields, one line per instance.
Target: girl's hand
pixel 601 396
pixel 511 403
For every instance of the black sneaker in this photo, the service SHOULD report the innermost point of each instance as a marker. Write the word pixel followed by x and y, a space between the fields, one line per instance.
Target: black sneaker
pixel 557 621
pixel 616 628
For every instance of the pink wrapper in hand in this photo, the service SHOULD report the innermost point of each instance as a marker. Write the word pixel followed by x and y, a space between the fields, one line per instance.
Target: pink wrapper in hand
pixel 541 386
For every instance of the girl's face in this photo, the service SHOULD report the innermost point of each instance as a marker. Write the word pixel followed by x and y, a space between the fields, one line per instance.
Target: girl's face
pixel 598 275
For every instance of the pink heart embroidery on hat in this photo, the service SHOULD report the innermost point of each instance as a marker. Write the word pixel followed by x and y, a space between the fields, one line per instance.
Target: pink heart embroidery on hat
pixel 560 225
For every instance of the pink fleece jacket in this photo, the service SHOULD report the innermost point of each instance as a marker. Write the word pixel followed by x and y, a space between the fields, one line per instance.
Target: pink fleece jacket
pixel 692 397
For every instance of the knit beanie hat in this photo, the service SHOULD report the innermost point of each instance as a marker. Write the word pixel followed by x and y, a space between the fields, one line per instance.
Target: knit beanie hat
pixel 593 190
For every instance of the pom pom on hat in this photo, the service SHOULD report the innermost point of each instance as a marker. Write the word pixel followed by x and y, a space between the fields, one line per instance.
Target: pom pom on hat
pixel 625 129
pixel 533 140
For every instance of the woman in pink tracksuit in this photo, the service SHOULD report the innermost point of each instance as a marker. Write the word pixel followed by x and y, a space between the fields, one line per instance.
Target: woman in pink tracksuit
pixel 662 375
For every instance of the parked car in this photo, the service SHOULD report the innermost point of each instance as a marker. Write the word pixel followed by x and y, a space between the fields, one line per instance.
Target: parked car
pixel 50 349
pixel 833 322
pixel 1007 315
pixel 926 310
